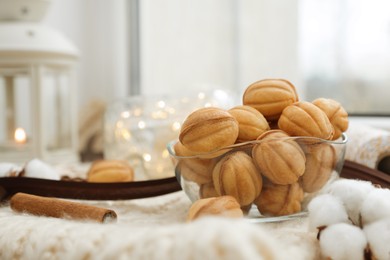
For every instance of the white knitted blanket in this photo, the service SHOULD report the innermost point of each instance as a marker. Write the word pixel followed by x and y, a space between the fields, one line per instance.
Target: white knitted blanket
pixel 152 228
pixel 155 228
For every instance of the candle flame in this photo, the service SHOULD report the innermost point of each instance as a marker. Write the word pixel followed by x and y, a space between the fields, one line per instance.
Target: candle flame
pixel 20 135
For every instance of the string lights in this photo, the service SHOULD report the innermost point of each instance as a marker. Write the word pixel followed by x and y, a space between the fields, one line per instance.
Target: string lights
pixel 138 129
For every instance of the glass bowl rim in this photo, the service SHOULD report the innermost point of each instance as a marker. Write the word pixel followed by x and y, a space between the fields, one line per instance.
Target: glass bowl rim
pixel 342 140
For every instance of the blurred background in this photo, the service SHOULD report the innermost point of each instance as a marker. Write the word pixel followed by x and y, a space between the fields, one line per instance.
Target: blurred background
pixel 336 49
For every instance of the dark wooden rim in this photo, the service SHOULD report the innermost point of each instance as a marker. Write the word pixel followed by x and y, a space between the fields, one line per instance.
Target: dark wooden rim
pixel 87 190
pixel 140 189
pixel 353 170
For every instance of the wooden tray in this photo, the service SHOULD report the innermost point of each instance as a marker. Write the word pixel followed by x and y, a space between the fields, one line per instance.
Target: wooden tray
pixel 140 189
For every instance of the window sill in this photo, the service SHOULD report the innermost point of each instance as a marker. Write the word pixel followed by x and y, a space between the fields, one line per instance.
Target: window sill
pixel 382 122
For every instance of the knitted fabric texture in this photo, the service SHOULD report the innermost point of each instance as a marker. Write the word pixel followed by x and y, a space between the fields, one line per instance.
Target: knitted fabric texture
pixel 155 228
pixel 152 228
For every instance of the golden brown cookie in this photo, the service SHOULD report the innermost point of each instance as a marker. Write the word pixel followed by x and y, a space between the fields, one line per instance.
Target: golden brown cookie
pixel 250 121
pixel 236 175
pixel 320 163
pixel 208 129
pixel 207 190
pixel 193 168
pixel 270 97
pixel 337 115
pixel 279 200
pixel 278 157
pixel 225 206
pixel 305 119
pixel 110 171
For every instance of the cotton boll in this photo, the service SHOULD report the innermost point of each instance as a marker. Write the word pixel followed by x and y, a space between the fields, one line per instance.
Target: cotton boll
pixel 343 242
pixel 351 193
pixel 9 169
pixel 38 169
pixel 325 210
pixel 376 206
pixel 378 237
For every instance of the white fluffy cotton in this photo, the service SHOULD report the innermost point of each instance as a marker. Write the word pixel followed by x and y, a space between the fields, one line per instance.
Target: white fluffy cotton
pixel 38 169
pixel 343 242
pixel 351 193
pixel 378 237
pixel 8 168
pixel 376 206
pixel 325 210
pixel 360 202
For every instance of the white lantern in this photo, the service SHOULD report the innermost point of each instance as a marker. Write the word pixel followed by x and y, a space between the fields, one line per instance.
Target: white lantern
pixel 37 94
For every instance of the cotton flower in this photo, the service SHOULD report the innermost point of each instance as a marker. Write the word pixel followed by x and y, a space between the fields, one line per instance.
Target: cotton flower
pixel 38 169
pixel 378 237
pixel 351 193
pixel 376 206
pixel 325 210
pixel 343 242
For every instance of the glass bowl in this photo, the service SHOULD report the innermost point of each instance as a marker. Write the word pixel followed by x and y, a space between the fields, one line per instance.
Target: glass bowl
pixel 137 128
pixel 272 179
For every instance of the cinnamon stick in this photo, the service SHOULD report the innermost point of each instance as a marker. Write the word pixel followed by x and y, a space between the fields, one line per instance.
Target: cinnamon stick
pixel 57 208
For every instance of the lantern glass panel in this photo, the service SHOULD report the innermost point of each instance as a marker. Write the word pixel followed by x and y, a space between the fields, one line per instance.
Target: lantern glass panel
pixel 56 109
pixel 15 109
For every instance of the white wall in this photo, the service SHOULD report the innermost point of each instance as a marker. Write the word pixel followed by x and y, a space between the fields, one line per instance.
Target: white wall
pixel 269 41
pixel 98 28
pixel 185 44
pixel 188 44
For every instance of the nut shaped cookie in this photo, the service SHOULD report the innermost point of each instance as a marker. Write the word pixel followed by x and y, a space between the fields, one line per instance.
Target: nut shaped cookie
pixel 305 119
pixel 279 200
pixel 192 168
pixel 250 121
pixel 337 115
pixel 270 97
pixel 207 190
pixel 279 159
pixel 110 171
pixel 196 171
pixel 180 150
pixel 236 175
pixel 225 206
pixel 208 129
pixel 320 162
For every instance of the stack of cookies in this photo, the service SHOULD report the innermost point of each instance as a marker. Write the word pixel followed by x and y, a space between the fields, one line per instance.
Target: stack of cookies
pixel 268 151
